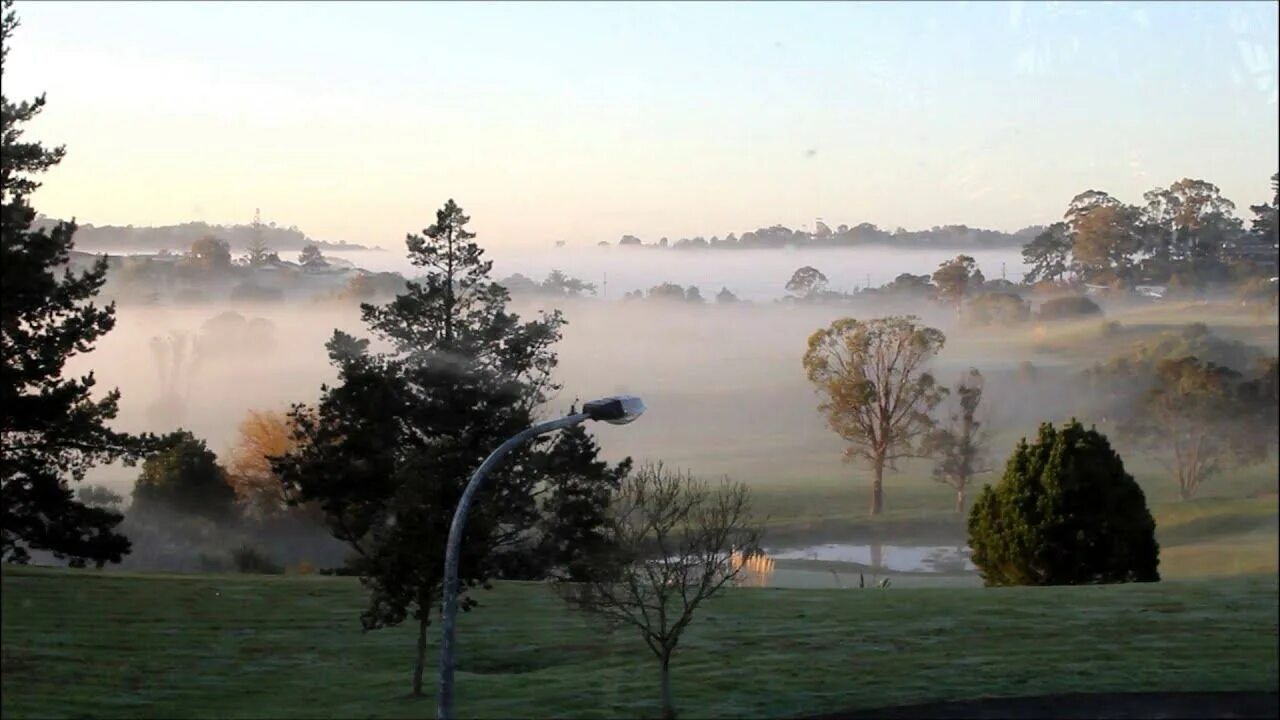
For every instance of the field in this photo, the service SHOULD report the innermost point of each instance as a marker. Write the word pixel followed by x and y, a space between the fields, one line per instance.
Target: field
pixel 93 644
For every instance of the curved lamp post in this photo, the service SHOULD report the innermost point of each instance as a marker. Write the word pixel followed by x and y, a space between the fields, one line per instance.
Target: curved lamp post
pixel 618 410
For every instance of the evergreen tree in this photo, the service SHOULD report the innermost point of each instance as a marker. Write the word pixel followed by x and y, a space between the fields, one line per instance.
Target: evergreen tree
pixel 52 429
pixel 388 450
pixel 1065 513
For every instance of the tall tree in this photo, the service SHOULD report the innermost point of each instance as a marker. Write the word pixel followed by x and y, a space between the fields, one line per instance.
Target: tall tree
pixel 807 282
pixel 876 392
pixel 1107 237
pixel 387 450
pixel 259 252
pixel 959 443
pixel 1187 219
pixel 1049 254
pixel 956 278
pixel 51 428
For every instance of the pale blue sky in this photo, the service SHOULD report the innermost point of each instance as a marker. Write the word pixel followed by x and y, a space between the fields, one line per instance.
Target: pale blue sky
pixel 583 122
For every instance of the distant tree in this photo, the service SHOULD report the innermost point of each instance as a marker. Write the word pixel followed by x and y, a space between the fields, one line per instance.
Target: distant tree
pixel 259 251
pixel 99 496
pixel 910 285
pixel 1196 422
pixel 1049 255
pixel 1068 308
pixel 876 393
pixel 388 449
pixel 185 478
pixel 1085 203
pixel 806 282
pixel 1106 239
pixel 629 240
pixel 1186 220
pixel 311 255
pixel 726 296
pixel 662 242
pixel 955 278
pixel 561 285
pixel 1264 216
pixel 52 429
pixel 1065 513
pixel 692 294
pixel 997 308
pixel 666 291
pixel 211 254
pixel 371 286
pixel 675 539
pixel 959 443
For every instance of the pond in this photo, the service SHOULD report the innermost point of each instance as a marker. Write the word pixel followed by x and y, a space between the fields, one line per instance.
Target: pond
pixel 886 558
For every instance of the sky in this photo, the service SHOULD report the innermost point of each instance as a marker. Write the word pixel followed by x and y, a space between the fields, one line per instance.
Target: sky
pixel 581 122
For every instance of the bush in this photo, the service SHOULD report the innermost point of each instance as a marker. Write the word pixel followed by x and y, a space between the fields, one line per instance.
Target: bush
pixel 248 559
pixel 1065 513
pixel 998 308
pixel 1064 308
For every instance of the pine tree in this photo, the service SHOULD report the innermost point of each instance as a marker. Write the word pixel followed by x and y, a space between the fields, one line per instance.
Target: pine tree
pixel 52 429
pixel 388 449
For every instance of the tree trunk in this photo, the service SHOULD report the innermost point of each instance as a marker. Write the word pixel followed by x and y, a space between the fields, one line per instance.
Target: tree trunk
pixel 877 489
pixel 960 500
pixel 422 654
pixel 668 707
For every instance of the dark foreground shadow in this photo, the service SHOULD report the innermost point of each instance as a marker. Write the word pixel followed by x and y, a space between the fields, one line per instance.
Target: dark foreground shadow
pixel 1182 706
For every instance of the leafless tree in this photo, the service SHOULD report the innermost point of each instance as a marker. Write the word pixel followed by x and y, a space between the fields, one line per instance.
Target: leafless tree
pixel 677 541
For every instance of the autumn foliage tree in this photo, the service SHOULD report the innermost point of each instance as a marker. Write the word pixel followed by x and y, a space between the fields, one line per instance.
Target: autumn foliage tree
pixel 876 393
pixel 263 434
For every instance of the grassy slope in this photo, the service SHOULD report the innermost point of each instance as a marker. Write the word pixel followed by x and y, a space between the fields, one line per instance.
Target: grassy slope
pixel 118 645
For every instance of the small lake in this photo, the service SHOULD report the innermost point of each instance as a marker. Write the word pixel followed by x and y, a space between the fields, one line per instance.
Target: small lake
pixel 886 558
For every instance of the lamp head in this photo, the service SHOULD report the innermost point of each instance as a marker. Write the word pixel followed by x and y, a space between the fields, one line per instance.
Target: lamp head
pixel 617 410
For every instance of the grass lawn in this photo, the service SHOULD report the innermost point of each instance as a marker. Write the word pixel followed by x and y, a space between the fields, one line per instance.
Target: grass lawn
pixel 107 644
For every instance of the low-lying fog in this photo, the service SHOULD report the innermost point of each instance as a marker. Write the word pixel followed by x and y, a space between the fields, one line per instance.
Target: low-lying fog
pixel 724 384
pixel 759 274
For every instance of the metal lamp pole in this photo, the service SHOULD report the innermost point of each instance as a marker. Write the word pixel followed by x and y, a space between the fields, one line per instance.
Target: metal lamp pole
pixel 616 410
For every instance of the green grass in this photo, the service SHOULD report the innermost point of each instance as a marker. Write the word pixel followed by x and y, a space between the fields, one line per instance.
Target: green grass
pixel 94 644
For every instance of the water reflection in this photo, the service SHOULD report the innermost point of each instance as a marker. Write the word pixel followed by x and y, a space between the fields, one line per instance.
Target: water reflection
pixel 892 558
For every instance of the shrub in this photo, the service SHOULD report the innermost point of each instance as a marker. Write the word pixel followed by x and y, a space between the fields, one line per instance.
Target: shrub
pixel 998 308
pixel 248 559
pixel 1064 308
pixel 1065 513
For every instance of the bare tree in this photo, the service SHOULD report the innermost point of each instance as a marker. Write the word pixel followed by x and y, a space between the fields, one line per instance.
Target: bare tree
pixel 677 542
pixel 959 444
pixel 877 395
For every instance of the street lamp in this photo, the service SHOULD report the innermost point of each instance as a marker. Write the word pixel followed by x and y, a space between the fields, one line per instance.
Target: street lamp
pixel 617 410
